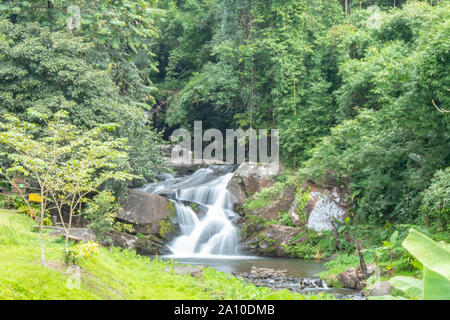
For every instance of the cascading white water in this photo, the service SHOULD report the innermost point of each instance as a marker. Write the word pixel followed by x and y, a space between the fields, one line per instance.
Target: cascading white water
pixel 212 235
pixel 208 236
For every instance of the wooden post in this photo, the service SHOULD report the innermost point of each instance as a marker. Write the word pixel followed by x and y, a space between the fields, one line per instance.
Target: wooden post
pixel 18 185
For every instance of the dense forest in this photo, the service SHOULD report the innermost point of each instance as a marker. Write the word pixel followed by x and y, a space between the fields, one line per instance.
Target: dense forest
pixel 359 90
pixel 351 94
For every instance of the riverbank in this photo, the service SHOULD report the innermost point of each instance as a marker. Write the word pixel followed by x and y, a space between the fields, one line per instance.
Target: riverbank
pixel 112 273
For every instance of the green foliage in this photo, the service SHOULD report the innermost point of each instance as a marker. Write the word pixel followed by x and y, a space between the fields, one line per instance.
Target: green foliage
pixel 66 163
pixel 253 224
pixel 386 94
pixel 303 198
pixel 62 72
pixel 301 251
pixel 13 201
pixel 284 218
pixel 309 245
pixel 111 273
pixel 166 228
pixel 435 259
pixel 436 199
pixel 123 227
pixel 336 266
pixel 82 250
pixel 254 204
pixel 101 212
pixel 121 30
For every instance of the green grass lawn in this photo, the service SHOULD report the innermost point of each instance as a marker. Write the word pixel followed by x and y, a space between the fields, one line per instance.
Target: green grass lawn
pixel 113 273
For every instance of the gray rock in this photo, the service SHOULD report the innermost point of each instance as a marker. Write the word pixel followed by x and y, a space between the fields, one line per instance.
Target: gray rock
pixel 123 240
pixel 270 240
pixel 146 211
pixel 371 268
pixel 250 178
pixel 382 288
pixel 267 272
pixel 323 207
pixel 149 245
pixel 349 278
pixel 76 234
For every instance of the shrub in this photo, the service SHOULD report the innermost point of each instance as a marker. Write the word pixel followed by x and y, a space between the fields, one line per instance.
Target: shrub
pixel 436 199
pixel 13 202
pixel 101 213
pixel 285 219
pixel 82 250
pixel 302 204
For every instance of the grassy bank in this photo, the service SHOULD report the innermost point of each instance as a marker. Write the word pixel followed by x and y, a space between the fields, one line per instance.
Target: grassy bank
pixel 112 273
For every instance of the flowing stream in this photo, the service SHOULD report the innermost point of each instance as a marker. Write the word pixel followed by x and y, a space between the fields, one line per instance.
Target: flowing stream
pixel 212 234
pixel 207 236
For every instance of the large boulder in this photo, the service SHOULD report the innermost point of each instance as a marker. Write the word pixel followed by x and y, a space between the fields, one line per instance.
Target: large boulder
pixel 274 207
pixel 354 278
pixel 270 240
pixel 250 178
pixel 325 205
pixel 150 214
pixel 349 279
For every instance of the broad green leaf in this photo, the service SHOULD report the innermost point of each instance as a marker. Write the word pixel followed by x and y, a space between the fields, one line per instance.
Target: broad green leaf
pixel 432 255
pixel 412 287
pixel 435 286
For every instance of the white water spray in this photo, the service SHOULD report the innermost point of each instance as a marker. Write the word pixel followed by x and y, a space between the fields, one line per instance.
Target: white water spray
pixel 212 235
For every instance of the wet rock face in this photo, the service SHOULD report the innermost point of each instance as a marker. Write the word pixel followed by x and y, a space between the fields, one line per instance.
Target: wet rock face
pixel 270 240
pixel 150 214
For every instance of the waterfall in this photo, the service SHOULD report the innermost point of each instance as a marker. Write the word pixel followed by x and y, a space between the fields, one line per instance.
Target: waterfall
pixel 210 235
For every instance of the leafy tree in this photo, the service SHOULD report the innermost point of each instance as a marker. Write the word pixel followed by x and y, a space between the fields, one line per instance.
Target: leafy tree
pixel 67 163
pixel 51 71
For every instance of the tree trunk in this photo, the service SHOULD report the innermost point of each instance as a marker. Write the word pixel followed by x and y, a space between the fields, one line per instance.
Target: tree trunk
pixel 41 232
pixel 68 227
pixel 336 236
pixel 362 262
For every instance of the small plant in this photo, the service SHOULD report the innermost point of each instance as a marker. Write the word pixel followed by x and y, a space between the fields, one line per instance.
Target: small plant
pixel 29 211
pixel 14 202
pixel 285 219
pixel 252 224
pixel 166 228
pixel 392 246
pixel 82 250
pixel 434 258
pixel 303 198
pixel 124 227
pixel 101 213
